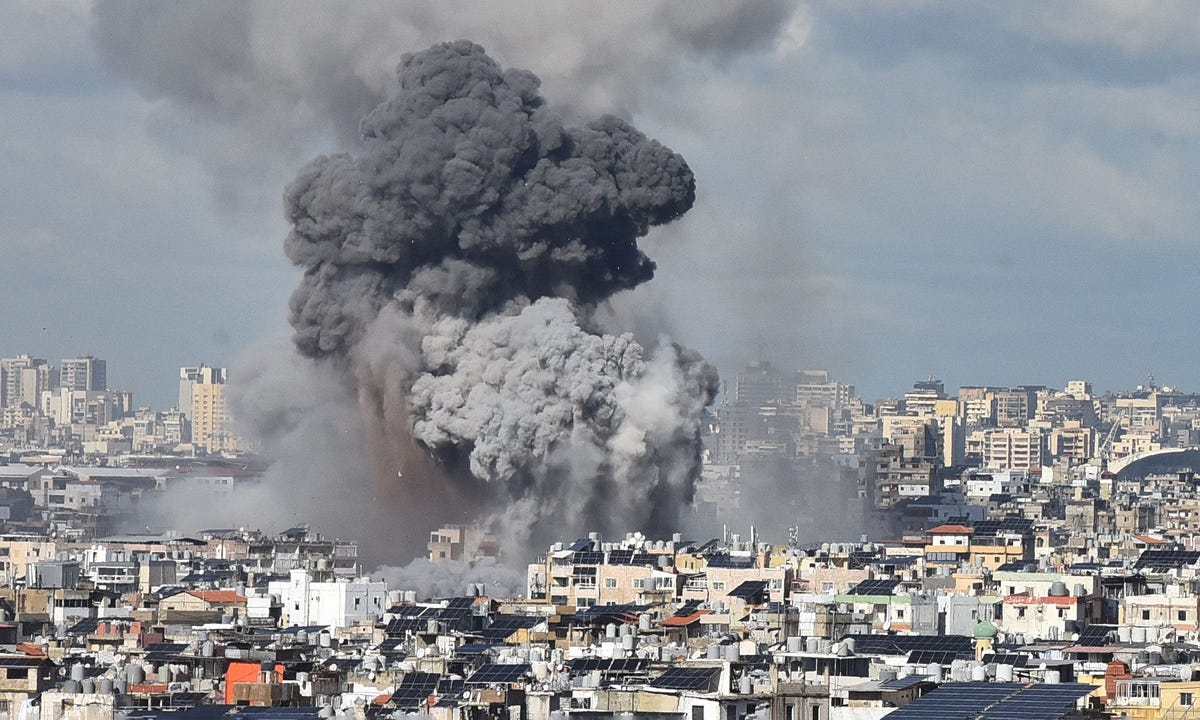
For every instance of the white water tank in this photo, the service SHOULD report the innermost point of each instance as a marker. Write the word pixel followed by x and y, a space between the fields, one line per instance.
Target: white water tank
pixel 733 652
pixel 812 644
pixel 1052 677
pixel 1004 673
pixel 978 673
pixel 795 644
pixel 744 686
pixel 1137 634
pixel 934 671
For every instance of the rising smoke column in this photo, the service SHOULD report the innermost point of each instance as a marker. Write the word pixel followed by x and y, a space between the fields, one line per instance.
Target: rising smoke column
pixel 451 270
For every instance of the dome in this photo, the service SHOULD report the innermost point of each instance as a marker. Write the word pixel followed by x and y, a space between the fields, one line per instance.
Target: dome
pixel 984 630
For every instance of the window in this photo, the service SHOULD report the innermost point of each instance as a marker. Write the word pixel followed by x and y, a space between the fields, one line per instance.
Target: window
pixel 1145 614
pixel 816 712
pixel 718 585
pixel 698 712
pixel 1182 615
pixel 1186 699
pixel 610 582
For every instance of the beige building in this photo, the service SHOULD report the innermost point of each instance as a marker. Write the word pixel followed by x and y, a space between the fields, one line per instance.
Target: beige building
pixel 210 420
pixel 1009 448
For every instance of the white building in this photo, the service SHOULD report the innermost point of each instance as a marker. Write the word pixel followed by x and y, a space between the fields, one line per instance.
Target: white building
pixel 340 603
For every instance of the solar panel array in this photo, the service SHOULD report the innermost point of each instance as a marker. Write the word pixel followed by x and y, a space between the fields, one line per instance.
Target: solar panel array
pixel 604 665
pixel 878 586
pixel 582 544
pixel 505 625
pixel 1096 635
pixel 414 689
pixel 994 701
pixel 1019 660
pixel 630 557
pixel 1039 701
pixel 1166 559
pixel 749 589
pixel 587 557
pixel 925 657
pixel 687 678
pixel 727 561
pixel 961 645
pixel 1012 525
pixel 687 608
pixel 499 674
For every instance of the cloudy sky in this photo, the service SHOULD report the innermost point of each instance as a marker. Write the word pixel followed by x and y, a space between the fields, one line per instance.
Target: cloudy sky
pixel 989 192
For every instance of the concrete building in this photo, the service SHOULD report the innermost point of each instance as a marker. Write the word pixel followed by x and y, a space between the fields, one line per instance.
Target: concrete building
pixel 337 604
pixel 83 373
pixel 206 408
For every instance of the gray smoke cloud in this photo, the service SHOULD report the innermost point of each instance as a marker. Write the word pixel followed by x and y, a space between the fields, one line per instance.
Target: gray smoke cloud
pixel 451 269
pixel 255 88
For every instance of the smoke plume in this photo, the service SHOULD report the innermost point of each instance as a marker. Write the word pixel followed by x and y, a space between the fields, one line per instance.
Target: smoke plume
pixel 452 269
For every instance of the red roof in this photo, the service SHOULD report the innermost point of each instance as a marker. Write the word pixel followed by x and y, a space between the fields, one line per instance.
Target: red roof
pixel 950 530
pixel 682 620
pixel 1149 540
pixel 218 597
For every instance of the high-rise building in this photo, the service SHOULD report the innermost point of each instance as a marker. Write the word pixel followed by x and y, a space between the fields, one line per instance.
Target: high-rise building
pixel 758 384
pixel 189 376
pixel 209 420
pixel 83 373
pixel 22 379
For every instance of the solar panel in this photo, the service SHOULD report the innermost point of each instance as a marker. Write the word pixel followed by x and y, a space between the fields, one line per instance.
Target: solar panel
pixel 687 678
pixel 903 683
pixel 961 645
pixel 498 674
pixel 604 665
pixel 1039 702
pixel 588 557
pixel 1014 659
pixel 581 544
pixel 749 590
pixel 1094 635
pixel 1166 559
pixel 451 686
pixel 878 586
pixel 620 557
pixel 414 689
pixel 725 561
pixel 687 608
pixel 956 701
pixel 925 657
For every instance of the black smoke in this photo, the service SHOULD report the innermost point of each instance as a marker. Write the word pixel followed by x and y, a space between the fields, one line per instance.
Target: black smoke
pixel 452 270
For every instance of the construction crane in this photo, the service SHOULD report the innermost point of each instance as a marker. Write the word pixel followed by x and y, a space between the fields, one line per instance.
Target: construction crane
pixel 1105 448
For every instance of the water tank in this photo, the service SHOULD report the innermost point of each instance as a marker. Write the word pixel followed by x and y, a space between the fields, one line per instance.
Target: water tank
pixel 610 630
pixel 812 644
pixel 70 686
pixel 733 652
pixel 1080 590
pixel 302 677
pixel 1137 634
pixel 326 639
pixel 207 649
pixel 164 674
pixel 135 674
pixel 843 649
pixel 1052 677
pixel 934 671
pixel 410 596
pixel 848 643
pixel 1123 633
pixel 713 652
pixel 978 673
pixel 629 642
pixel 87 686
pixel 1004 673
pixel 431 626
pixel 77 672
pixel 540 669
pixel 618 653
pixel 795 644
pixel 119 686
pixel 1186 673
pixel 887 675
pixel 1058 588
pixel 744 685
pixel 105 686
pixel 395 597
pixel 824 647
pixel 677 538
pixel 644 622
pixel 301 637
